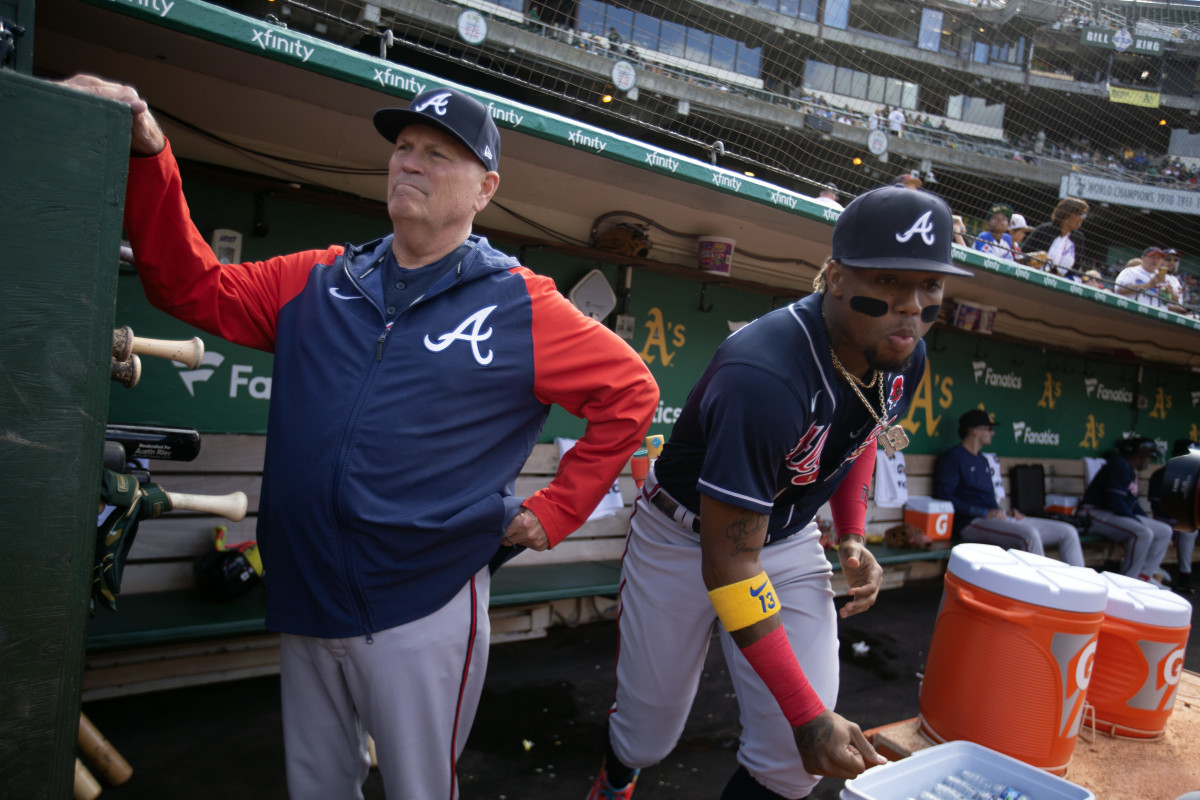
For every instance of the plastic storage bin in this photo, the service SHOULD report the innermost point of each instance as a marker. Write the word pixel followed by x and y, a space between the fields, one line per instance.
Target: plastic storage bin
pixel 923 769
pixel 1012 652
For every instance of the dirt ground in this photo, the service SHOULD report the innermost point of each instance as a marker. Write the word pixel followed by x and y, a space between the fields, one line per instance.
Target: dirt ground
pixel 224 741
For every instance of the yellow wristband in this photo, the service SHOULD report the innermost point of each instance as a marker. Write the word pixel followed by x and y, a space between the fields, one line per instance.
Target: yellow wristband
pixel 740 605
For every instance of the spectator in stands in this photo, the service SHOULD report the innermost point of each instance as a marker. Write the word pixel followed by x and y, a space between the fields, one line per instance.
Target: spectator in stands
pixel 909 180
pixel 963 477
pixel 1059 239
pixel 1018 229
pixel 1150 281
pixel 960 230
pixel 1094 279
pixel 828 196
pixel 1185 542
pixel 1172 290
pixel 995 241
pixel 1111 500
pixel 896 122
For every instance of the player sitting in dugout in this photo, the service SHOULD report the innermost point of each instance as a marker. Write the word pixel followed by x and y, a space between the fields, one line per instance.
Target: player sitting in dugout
pixel 964 477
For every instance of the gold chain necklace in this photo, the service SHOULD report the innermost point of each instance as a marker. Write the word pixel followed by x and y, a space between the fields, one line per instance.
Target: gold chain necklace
pixel 891 439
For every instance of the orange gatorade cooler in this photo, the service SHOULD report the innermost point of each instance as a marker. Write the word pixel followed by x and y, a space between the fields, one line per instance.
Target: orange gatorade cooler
pixel 934 517
pixel 1011 655
pixel 1138 657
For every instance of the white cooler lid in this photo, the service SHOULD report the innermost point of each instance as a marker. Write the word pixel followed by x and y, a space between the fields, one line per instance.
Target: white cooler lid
pixel 1139 601
pixel 927 505
pixel 1031 579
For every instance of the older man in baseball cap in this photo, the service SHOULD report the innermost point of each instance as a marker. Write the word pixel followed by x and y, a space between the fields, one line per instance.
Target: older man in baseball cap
pixel 786 417
pixel 412 376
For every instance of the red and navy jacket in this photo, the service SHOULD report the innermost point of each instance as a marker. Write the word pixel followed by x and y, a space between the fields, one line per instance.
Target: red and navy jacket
pixel 392 449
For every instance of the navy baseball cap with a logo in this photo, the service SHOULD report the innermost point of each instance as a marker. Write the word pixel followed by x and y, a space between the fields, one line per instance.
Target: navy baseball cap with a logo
pixel 896 228
pixel 449 110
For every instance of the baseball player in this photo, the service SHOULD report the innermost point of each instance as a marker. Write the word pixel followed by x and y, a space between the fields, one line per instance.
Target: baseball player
pixel 1111 500
pixel 785 418
pixel 965 477
pixel 412 376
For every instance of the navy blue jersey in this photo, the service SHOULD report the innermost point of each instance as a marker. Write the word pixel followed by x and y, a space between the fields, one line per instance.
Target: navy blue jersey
pixel 965 479
pixel 770 426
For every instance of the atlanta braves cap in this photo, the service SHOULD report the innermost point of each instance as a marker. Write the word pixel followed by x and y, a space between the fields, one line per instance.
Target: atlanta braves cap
pixel 449 110
pixel 893 227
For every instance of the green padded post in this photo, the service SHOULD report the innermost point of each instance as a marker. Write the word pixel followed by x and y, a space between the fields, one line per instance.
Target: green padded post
pixel 63 160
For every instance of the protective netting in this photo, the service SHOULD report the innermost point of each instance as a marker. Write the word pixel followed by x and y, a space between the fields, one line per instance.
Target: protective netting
pixel 988 102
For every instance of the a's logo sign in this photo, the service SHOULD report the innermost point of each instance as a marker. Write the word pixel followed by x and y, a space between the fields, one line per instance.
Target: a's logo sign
pixel 475 323
pixel 897 390
pixel 805 458
pixel 438 102
pixel 923 226
pixel 208 365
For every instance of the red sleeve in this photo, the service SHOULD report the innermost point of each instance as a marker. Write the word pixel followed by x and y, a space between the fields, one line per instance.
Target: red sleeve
pixel 181 274
pixel 849 502
pixel 591 372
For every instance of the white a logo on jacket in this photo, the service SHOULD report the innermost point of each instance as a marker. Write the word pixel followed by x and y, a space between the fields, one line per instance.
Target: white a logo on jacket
pixel 474 322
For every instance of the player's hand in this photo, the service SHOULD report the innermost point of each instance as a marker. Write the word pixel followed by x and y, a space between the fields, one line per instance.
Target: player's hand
pixel 526 531
pixel 835 747
pixel 1017 514
pixel 864 576
pixel 147 138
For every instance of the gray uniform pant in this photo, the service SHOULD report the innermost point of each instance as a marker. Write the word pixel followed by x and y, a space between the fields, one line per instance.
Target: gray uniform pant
pixel 1186 547
pixel 1031 534
pixel 1146 540
pixel 665 623
pixel 414 688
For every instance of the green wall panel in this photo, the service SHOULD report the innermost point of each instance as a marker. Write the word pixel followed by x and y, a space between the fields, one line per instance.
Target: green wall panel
pixel 61 199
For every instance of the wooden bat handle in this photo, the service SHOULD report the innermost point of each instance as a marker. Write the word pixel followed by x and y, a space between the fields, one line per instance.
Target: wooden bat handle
pixel 189 352
pixel 231 506
pixel 104 758
pixel 127 372
pixel 86 785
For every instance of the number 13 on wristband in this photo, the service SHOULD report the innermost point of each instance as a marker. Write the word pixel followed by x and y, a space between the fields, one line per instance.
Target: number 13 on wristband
pixel 740 605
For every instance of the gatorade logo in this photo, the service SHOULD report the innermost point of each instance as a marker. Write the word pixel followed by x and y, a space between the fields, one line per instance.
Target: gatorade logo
pixel 942 524
pixel 1165 660
pixel 1074 654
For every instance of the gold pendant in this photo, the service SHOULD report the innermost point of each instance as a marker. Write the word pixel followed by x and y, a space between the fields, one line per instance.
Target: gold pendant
pixel 893 439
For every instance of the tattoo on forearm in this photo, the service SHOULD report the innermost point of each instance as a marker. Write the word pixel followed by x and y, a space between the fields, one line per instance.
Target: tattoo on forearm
pixel 745 533
pixel 814 733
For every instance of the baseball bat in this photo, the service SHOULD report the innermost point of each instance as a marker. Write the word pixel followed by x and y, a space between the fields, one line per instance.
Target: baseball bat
pixel 104 758
pixel 127 372
pixel 86 785
pixel 189 352
pixel 155 441
pixel 231 506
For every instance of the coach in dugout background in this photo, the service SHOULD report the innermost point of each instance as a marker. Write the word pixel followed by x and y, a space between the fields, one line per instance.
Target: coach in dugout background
pixel 412 377
pixel 785 418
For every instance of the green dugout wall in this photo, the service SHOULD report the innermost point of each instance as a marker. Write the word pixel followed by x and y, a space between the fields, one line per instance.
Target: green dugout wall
pixel 1047 404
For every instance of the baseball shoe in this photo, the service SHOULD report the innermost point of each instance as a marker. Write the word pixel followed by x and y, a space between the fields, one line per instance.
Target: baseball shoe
pixel 1184 584
pixel 602 791
pixel 1161 575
